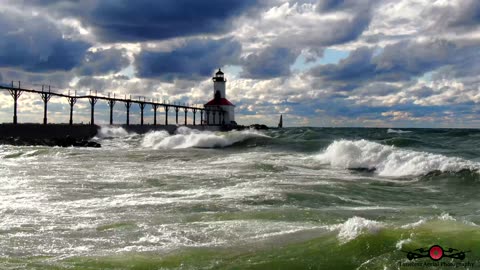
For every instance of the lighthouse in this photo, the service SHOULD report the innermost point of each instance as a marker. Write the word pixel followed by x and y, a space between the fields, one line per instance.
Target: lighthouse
pixel 222 111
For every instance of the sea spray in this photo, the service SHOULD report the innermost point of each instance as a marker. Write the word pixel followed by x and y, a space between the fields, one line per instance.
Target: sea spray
pixel 354 227
pixel 399 131
pixel 190 138
pixel 112 132
pixel 152 139
pixel 388 160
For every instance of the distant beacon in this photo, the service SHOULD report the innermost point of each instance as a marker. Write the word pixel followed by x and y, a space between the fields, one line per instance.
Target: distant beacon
pixel 220 101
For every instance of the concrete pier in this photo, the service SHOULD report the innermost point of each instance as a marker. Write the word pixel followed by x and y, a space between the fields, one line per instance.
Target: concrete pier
pixel 50 131
pixel 77 131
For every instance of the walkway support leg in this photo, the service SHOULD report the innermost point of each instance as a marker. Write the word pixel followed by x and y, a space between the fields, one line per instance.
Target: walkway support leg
pixel 111 104
pixel 46 98
pixel 71 102
pixel 166 115
pixel 176 115
pixel 93 101
pixel 155 108
pixel 15 93
pixel 142 108
pixel 186 111
pixel 194 113
pixel 128 104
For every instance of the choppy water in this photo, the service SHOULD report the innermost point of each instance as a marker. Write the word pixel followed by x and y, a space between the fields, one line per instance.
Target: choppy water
pixel 296 198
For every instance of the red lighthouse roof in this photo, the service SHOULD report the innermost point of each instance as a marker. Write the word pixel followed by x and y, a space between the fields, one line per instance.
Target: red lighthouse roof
pixel 219 101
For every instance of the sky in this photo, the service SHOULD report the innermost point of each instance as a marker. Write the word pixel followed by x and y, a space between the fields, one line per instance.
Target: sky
pixel 361 63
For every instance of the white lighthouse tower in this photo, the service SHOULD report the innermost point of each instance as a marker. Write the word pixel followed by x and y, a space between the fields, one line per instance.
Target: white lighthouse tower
pixel 220 103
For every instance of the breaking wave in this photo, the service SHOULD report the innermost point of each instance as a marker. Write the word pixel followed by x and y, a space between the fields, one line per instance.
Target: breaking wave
pixel 190 138
pixel 354 227
pixel 389 160
pixel 112 132
pixel 399 131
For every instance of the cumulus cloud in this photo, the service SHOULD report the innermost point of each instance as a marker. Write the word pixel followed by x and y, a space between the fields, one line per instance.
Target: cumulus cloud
pixel 269 63
pixel 33 43
pixel 301 25
pixel 196 58
pixel 401 61
pixel 360 13
pixel 102 62
pixel 144 20
pixel 459 15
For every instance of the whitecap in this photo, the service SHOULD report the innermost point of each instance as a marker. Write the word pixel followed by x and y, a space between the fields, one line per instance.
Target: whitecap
pixel 399 244
pixel 389 160
pixel 399 131
pixel 112 132
pixel 191 138
pixel 354 227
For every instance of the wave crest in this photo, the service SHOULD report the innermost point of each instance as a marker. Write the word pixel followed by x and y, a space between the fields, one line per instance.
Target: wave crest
pixel 388 160
pixel 190 138
pixel 354 227
pixel 112 132
pixel 399 131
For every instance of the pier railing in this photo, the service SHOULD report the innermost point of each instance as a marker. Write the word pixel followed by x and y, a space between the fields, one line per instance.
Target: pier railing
pixel 16 92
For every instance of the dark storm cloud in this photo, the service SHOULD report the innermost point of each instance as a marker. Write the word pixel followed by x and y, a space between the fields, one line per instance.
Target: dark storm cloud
pixel 357 66
pixel 398 62
pixel 36 45
pixel 197 58
pixel 358 7
pixel 57 80
pixel 378 89
pixel 345 30
pixel 464 14
pixel 329 5
pixel 142 20
pixel 422 92
pixel 269 63
pixel 103 62
pixel 93 83
pixel 415 58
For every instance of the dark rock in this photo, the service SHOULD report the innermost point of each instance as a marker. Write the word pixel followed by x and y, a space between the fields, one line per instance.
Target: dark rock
pixel 93 144
pixel 259 126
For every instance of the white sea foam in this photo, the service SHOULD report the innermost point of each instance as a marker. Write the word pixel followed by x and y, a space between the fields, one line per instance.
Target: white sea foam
pixel 443 217
pixel 152 139
pixel 399 244
pixel 391 130
pixel 446 216
pixel 388 160
pixel 414 224
pixel 191 138
pixel 213 233
pixel 112 132
pixel 354 227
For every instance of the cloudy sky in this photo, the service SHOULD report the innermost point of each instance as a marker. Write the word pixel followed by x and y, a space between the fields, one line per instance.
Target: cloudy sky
pixel 387 63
